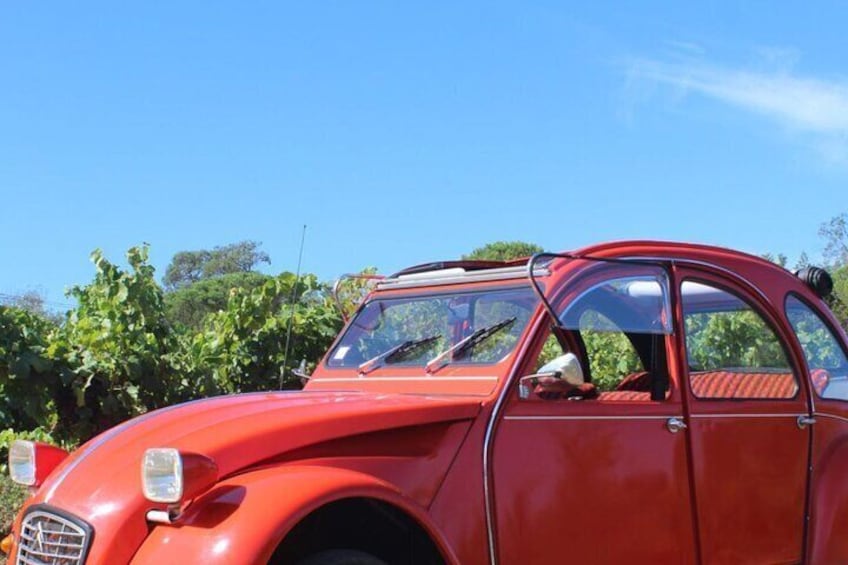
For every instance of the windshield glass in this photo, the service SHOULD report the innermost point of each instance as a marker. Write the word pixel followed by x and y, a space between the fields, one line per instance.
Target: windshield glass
pixel 419 328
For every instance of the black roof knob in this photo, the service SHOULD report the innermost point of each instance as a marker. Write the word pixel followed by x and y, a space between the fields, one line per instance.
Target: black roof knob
pixel 817 279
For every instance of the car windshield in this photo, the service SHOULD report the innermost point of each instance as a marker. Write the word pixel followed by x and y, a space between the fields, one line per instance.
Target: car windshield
pixel 412 331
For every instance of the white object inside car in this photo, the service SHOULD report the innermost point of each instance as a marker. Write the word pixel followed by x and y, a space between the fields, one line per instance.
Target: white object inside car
pixel 569 368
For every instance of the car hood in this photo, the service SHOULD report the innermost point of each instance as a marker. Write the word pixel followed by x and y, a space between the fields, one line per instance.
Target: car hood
pixel 101 482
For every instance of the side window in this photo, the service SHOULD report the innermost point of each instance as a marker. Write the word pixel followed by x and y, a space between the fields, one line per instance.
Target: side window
pixel 732 351
pixel 621 325
pixel 611 356
pixel 825 356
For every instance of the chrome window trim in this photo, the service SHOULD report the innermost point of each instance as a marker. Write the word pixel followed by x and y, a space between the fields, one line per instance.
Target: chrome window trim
pixel 778 415
pixel 484 275
pixel 831 416
pixel 658 417
pixel 431 379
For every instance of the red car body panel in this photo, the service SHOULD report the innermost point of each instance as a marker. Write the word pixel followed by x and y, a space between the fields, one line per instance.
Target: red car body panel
pixel 213 533
pixel 491 476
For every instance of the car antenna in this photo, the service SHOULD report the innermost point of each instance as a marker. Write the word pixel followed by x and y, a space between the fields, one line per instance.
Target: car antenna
pixel 291 308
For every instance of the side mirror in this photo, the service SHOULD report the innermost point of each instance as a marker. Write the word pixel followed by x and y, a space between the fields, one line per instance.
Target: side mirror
pixel 300 372
pixel 565 367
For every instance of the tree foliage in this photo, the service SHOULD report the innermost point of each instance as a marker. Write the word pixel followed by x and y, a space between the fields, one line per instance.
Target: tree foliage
pixel 611 357
pixel 838 301
pixel 189 305
pixel 503 251
pixel 112 352
pixel 188 267
pixel 26 371
pixel 117 354
pixel 242 348
pixel 835 234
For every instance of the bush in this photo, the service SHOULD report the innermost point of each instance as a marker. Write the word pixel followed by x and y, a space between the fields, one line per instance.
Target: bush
pixel 242 348
pixel 111 353
pixel 26 372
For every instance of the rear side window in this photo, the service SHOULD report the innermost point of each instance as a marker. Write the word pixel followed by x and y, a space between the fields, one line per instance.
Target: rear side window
pixel 825 356
pixel 732 351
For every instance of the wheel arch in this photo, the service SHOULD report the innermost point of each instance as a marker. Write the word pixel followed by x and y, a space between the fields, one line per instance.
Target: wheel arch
pixel 246 518
pixel 366 524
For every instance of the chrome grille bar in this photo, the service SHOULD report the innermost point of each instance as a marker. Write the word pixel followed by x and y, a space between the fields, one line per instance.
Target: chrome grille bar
pixel 51 537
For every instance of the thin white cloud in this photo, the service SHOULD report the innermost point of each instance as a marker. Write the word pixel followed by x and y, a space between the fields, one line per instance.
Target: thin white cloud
pixel 686 46
pixel 812 106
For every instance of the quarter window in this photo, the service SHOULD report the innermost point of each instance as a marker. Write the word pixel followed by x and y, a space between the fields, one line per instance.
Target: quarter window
pixel 825 357
pixel 732 351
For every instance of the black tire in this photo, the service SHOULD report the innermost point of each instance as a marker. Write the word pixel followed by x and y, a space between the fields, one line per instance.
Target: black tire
pixel 341 557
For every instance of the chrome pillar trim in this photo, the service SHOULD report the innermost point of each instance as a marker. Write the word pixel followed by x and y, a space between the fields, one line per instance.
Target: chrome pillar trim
pixel 488 494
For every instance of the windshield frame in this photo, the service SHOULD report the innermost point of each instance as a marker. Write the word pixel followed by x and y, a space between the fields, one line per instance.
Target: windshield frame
pixel 466 362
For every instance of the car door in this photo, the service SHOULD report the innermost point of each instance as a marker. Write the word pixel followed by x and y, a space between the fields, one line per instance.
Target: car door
pixel 827 365
pixel 749 438
pixel 598 474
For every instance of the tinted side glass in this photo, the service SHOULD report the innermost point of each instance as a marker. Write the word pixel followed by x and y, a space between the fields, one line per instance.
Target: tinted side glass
pixel 825 356
pixel 732 351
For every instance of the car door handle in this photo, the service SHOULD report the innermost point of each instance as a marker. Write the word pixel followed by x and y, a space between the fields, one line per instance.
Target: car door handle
pixel 674 425
pixel 804 421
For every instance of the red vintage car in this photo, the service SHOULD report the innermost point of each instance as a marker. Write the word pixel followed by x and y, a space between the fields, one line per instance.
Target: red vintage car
pixel 636 402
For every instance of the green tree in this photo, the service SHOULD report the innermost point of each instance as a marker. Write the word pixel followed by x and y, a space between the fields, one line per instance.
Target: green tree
pixel 503 251
pixel 242 348
pixel 189 305
pixel 34 302
pixel 838 301
pixel 188 267
pixel 835 233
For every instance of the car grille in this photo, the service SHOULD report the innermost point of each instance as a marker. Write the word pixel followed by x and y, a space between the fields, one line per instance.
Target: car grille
pixel 48 538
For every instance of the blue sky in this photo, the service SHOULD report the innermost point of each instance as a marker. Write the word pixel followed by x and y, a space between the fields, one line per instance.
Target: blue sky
pixel 403 133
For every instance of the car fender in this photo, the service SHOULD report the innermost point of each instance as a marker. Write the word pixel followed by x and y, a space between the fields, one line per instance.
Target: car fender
pixel 243 518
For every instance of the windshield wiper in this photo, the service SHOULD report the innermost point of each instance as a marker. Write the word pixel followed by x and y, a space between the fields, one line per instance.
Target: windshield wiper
pixel 395 352
pixel 464 345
